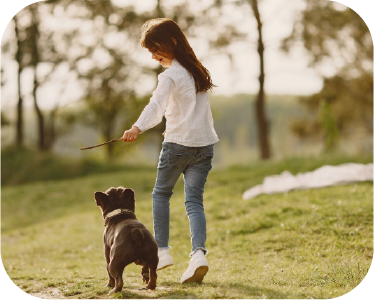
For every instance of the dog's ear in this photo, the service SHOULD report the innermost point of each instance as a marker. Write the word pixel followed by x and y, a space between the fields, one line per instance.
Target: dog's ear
pixel 129 194
pixel 100 198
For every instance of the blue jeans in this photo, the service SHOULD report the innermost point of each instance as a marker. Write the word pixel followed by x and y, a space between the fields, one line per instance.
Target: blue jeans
pixel 195 164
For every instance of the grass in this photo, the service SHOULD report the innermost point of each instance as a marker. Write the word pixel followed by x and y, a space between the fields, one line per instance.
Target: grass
pixel 25 166
pixel 302 244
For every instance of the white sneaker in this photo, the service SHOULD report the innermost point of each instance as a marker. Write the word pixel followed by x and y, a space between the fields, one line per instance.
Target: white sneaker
pixel 164 259
pixel 197 269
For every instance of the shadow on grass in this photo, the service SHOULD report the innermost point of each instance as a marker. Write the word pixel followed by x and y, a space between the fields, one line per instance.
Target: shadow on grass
pixel 125 294
pixel 220 291
pixel 173 290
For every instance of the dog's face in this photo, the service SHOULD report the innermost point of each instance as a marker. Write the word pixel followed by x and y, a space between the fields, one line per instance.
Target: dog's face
pixel 115 198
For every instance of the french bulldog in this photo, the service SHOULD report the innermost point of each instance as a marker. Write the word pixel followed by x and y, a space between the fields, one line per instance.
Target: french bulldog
pixel 126 240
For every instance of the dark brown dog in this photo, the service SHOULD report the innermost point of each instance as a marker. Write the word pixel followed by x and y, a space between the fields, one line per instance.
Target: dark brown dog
pixel 126 240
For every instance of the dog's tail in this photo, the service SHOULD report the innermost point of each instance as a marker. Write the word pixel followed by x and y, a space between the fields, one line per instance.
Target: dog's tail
pixel 137 235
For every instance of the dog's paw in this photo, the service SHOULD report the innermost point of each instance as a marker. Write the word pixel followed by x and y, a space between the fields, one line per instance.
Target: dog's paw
pixel 151 286
pixel 113 291
pixel 110 284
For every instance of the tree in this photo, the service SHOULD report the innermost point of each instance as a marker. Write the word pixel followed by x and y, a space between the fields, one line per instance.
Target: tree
pixel 35 47
pixel 4 120
pixel 107 100
pixel 33 40
pixel 27 55
pixel 260 101
pixel 18 56
pixel 230 35
pixel 109 86
pixel 334 34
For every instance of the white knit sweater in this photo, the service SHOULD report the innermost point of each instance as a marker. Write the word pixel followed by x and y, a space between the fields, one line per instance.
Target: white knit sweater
pixel 189 120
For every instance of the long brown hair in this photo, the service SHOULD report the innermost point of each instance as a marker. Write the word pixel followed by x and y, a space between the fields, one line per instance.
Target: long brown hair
pixel 164 36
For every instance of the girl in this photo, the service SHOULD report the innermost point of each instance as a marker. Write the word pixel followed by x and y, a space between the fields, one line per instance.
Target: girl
pixel 181 95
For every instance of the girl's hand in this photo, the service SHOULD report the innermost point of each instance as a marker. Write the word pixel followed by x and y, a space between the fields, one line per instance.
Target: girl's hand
pixel 131 134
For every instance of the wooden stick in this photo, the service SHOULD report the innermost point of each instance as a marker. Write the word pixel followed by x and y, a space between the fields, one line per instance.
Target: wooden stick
pixel 112 141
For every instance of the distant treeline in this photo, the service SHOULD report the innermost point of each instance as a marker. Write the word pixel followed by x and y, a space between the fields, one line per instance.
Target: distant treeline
pixel 99 51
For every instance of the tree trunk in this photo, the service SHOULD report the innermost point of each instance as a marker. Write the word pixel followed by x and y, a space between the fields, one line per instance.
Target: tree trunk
pixel 108 125
pixel 50 130
pixel 35 54
pixel 19 132
pixel 108 137
pixel 41 140
pixel 260 101
pixel 159 12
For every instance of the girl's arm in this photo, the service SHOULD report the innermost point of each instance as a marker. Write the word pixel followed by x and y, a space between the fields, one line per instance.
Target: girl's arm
pixel 153 112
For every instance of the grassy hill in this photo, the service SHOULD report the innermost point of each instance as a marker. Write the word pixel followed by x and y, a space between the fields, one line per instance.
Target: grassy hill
pixel 302 244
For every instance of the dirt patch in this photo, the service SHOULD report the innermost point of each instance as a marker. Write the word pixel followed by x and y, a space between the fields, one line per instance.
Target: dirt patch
pixel 55 293
pixel 49 293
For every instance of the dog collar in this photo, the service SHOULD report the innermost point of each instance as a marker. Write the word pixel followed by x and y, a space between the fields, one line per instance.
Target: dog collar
pixel 118 212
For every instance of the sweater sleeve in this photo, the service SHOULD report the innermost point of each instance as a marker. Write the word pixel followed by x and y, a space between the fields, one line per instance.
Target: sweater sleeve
pixel 152 114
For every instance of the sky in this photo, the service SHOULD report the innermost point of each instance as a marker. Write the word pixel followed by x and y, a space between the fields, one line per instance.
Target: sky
pixel 285 73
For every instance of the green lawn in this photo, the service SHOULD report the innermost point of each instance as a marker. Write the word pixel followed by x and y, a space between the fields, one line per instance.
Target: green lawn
pixel 302 244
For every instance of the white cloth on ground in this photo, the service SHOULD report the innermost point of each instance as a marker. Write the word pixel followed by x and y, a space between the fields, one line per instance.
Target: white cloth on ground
pixel 321 177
